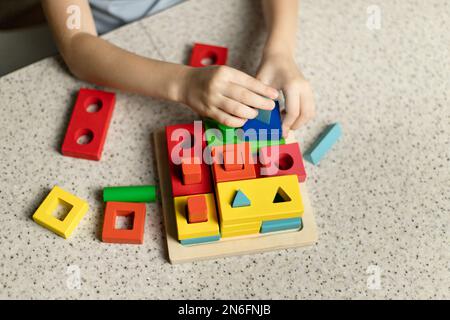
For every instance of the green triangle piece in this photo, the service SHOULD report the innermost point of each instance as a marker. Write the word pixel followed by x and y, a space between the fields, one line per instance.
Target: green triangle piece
pixel 264 116
pixel 240 200
pixel 281 196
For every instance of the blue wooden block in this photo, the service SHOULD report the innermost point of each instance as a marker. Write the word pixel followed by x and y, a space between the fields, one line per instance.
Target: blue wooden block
pixel 264 116
pixel 257 125
pixel 324 143
pixel 240 200
pixel 281 225
pixel 200 240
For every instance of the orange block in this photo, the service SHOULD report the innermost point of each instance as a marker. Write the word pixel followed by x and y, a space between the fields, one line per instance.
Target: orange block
pixel 191 170
pixel 197 209
pixel 223 170
pixel 232 161
pixel 136 211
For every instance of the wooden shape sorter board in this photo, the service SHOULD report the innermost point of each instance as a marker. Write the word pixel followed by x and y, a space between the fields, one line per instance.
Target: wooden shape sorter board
pixel 225 247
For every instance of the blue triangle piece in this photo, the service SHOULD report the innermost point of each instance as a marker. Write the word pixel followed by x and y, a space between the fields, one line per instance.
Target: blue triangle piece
pixel 264 116
pixel 240 200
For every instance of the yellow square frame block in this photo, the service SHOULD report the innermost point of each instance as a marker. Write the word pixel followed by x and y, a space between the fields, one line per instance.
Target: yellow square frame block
pixel 241 226
pixel 44 214
pixel 196 230
pixel 261 193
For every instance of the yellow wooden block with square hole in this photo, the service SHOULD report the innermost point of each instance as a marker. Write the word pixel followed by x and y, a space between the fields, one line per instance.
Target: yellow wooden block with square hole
pixel 271 198
pixel 57 196
pixel 196 230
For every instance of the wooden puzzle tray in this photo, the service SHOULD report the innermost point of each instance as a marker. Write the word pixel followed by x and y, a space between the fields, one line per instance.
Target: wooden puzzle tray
pixel 225 247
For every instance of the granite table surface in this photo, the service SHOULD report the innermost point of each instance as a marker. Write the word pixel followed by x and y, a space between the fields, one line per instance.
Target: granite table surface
pixel 381 197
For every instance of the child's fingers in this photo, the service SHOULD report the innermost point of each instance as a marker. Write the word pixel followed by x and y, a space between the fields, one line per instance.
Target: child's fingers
pixel 253 84
pixel 307 111
pixel 237 109
pixel 292 100
pixel 247 97
pixel 225 118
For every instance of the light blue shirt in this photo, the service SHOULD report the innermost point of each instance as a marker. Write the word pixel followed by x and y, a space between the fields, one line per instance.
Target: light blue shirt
pixel 111 14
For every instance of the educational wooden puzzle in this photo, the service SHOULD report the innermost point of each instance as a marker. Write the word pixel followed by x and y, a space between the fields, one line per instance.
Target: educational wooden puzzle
pixel 245 212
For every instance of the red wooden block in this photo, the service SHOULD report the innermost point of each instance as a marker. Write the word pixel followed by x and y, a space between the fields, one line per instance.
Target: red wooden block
pixel 89 123
pixel 191 170
pixel 115 209
pixel 282 160
pixel 218 168
pixel 184 141
pixel 203 52
pixel 197 209
pixel 232 161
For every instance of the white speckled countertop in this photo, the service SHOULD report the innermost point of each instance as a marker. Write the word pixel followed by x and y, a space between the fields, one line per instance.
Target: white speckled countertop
pixel 381 197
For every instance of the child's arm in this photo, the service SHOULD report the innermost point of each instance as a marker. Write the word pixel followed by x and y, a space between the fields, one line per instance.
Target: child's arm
pixel 278 67
pixel 218 92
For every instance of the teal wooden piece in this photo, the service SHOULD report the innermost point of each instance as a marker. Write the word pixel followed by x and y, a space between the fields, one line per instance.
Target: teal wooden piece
pixel 255 129
pixel 200 240
pixel 240 200
pixel 323 144
pixel 281 225
pixel 264 116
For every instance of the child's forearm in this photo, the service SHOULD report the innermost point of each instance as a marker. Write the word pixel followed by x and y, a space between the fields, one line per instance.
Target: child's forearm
pixel 95 60
pixel 281 19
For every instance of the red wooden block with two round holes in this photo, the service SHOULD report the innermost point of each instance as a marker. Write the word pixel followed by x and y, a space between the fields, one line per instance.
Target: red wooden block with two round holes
pixel 186 141
pixel 89 123
pixel 282 160
pixel 197 209
pixel 204 55
pixel 133 210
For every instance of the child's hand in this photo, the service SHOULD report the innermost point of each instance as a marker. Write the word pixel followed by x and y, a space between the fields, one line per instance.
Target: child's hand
pixel 225 94
pixel 281 72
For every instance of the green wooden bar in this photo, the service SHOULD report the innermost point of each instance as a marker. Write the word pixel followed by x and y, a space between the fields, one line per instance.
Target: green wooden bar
pixel 130 194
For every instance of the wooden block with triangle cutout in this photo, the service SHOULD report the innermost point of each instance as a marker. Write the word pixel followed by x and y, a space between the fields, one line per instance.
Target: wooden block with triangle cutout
pixel 271 198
